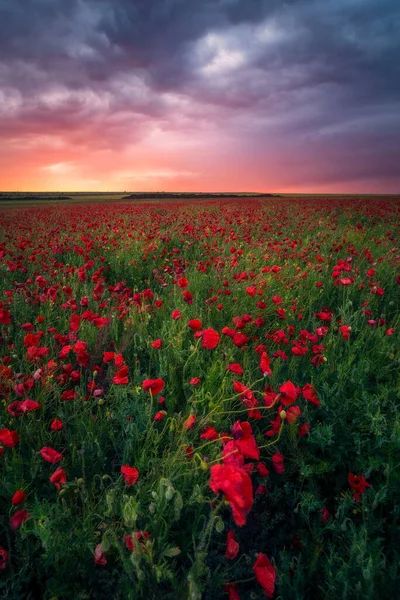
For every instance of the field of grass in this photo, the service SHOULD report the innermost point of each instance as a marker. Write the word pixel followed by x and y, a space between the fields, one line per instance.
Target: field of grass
pixel 200 400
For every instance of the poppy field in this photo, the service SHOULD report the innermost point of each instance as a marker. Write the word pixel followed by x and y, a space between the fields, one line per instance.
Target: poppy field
pixel 200 400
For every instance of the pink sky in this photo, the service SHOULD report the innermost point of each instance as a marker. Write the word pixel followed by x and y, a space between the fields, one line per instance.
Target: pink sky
pixel 234 96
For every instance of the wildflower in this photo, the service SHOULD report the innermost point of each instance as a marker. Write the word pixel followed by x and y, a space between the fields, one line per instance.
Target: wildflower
pixel 18 518
pixel 190 421
pixel 265 364
pixel 50 455
pixel 154 386
pixel 18 498
pixel 210 338
pixel 8 438
pixel 99 556
pixel 304 430
pixel 288 393
pixel 345 331
pixel 159 415
pixel 262 470
pixel 236 485
pixel 129 474
pixel 278 462
pixel 56 425
pixel 240 339
pixel 235 368
pixel 121 376
pixel 58 477
pixel 309 393
pixel 359 485
pixel 195 324
pixel 244 440
pixel 209 433
pixel 232 546
pixel 265 574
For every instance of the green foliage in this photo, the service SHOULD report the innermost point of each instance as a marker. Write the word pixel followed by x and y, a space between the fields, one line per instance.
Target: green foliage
pixel 177 526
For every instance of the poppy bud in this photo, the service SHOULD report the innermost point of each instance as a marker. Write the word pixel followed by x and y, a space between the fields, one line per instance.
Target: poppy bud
pixel 18 498
pixel 203 465
pixel 282 415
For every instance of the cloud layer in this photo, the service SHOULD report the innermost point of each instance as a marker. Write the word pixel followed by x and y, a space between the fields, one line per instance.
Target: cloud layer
pixel 295 95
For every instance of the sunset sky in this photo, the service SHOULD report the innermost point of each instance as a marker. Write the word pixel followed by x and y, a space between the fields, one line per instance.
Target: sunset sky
pixel 212 95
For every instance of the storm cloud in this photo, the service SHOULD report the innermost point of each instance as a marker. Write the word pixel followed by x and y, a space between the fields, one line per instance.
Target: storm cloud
pixel 295 95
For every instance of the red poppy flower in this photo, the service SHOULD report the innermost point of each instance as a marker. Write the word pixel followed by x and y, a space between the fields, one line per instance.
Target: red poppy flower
pixel 190 421
pixel 5 317
pixel 231 454
pixel 359 485
pixel 182 282
pixel 265 364
pixel 140 536
pixel 232 546
pixel 304 430
pixel 121 376
pixel 28 405
pixel 154 386
pixel 69 395
pixel 325 515
pixel 240 339
pixel 176 315
pixel 50 455
pixel 265 574
pixel 231 589
pixel 235 368
pixel 236 485
pixel 99 556
pixel 229 332
pixel 292 414
pixel 345 331
pixel 187 297
pixel 195 381
pixel 159 415
pixel 8 438
pixel 18 498
pixel 244 440
pixel 100 322
pixel 309 393
pixel 269 398
pixel 262 470
pixel 130 475
pixel 18 518
pixel 58 477
pixel 278 462
pixel 210 338
pixel 289 393
pixel 157 344
pixel 195 324
pixel 14 409
pixel 209 433
pixel 119 360
pixel 56 425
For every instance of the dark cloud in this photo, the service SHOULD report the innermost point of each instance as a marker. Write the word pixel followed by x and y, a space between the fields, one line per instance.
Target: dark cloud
pixel 319 78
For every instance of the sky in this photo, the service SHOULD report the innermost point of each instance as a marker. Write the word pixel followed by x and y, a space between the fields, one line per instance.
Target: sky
pixel 200 95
